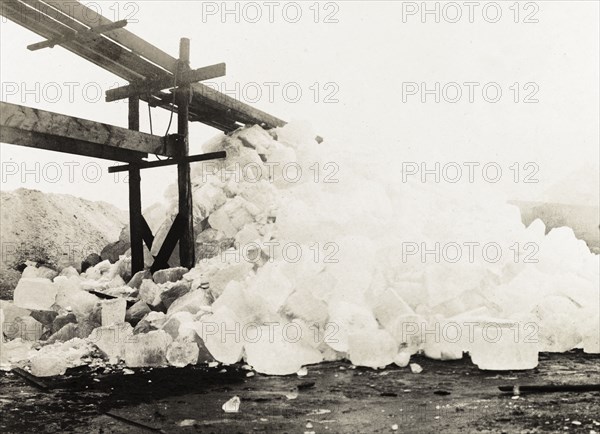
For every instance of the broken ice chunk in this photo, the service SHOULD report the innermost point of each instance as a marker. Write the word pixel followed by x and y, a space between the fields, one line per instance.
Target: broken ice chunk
pixel 113 311
pixel 175 321
pixel 558 320
pixel 388 305
pixel 415 368
pixel 147 349
pixel 14 351
pixel 193 302
pixel 26 328
pixel 372 348
pixel 150 292
pixel 35 293
pixel 232 406
pixel 138 277
pixel 41 272
pixel 48 365
pixel 277 351
pixel 408 330
pixel 111 340
pixel 183 352
pixel 136 312
pixel 347 318
pixel 221 332
pixel 402 359
pixel 10 313
pixel 444 340
pixel 71 297
pixel 169 275
pixel 69 272
pixel 503 345
pixel 175 291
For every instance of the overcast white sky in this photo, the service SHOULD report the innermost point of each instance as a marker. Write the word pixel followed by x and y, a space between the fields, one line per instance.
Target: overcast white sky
pixel 360 64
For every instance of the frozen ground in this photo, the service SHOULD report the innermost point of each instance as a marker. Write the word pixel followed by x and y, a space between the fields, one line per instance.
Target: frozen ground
pixel 333 397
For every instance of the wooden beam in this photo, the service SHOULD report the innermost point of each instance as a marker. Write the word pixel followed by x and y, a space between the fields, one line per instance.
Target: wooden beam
pixel 147 235
pixel 171 161
pixel 30 120
pixel 166 249
pixel 31 139
pixel 102 52
pixel 124 37
pixel 135 197
pixel 80 36
pixel 148 87
pixel 187 243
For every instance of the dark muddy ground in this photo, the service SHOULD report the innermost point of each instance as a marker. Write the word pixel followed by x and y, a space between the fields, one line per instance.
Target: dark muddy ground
pixel 332 398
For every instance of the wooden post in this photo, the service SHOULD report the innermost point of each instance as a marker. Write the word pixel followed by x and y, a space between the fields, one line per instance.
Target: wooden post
pixel 187 240
pixel 135 199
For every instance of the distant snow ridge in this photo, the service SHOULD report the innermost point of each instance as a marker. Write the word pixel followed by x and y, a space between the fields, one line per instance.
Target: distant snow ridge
pixel 304 255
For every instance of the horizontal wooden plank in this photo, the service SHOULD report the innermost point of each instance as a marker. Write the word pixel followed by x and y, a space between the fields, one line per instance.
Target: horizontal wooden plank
pixel 124 37
pixel 15 136
pixel 32 120
pixel 41 18
pixel 81 36
pixel 43 26
pixel 171 161
pixel 148 87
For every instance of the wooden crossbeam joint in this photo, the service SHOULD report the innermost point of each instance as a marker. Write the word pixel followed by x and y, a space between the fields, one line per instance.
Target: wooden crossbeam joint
pixel 81 36
pixel 151 86
pixel 171 161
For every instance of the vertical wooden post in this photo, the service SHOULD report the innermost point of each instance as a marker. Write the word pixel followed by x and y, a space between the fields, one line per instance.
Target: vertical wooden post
pixel 135 199
pixel 187 240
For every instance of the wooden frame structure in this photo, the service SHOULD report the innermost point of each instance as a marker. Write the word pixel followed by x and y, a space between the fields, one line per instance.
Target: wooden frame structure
pixel 151 73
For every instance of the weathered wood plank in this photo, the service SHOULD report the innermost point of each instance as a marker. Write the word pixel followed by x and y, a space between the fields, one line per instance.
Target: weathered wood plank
pixel 124 37
pixel 171 161
pixel 147 87
pixel 135 196
pixel 103 52
pixel 43 26
pixel 30 120
pixel 166 249
pixel 81 36
pixel 221 105
pixel 187 241
pixel 48 142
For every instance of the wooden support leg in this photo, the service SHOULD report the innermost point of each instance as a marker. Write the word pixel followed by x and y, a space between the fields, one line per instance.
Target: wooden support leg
pixel 135 198
pixel 187 241
pixel 135 219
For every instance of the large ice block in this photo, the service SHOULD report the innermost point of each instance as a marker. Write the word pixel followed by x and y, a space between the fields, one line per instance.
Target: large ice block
pixel 222 335
pixel 277 350
pixel 150 292
pixel 503 345
pixel 111 340
pixel 113 311
pixel 182 352
pixel 375 349
pixel 35 293
pixel 48 365
pixel 148 349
